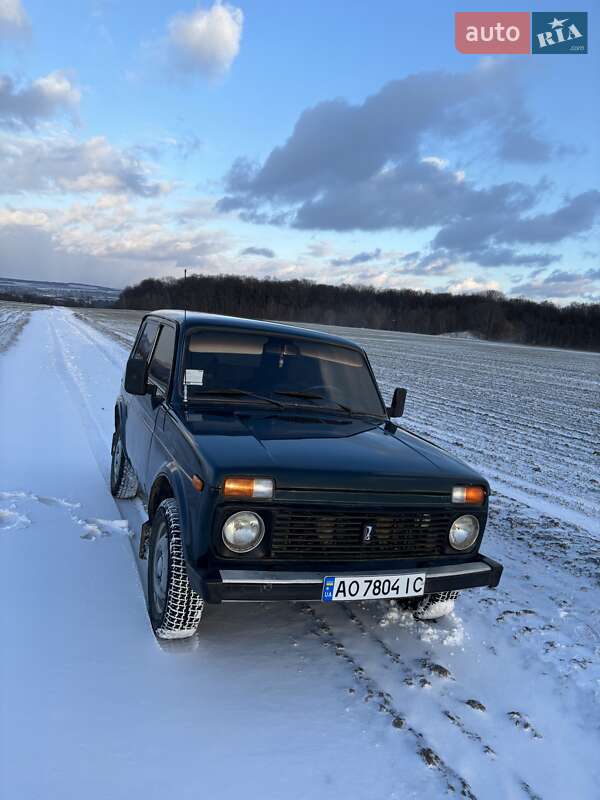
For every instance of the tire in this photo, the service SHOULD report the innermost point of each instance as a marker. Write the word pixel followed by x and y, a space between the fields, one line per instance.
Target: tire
pixel 175 609
pixel 436 606
pixel 123 480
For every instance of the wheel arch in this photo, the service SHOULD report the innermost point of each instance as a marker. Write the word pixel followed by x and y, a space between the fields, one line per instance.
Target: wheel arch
pixel 168 483
pixel 161 490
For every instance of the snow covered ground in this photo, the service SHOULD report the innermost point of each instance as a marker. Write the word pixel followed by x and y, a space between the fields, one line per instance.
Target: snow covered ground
pixel 500 700
pixel 13 318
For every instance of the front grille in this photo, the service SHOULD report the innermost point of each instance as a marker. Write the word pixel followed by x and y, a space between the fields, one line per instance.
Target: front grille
pixel 339 535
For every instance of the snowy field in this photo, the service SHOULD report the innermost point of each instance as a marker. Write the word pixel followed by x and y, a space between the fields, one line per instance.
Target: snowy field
pixel 13 318
pixel 500 700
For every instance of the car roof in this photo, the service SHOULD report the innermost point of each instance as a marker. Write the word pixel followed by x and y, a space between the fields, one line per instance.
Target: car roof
pixel 195 319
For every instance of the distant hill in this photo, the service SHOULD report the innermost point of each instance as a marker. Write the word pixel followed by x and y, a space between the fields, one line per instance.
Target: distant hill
pixel 57 293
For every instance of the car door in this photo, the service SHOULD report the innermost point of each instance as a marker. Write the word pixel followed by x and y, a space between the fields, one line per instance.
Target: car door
pixel 159 379
pixel 138 422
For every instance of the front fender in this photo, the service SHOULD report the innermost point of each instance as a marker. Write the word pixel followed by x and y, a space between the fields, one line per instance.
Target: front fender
pixel 193 509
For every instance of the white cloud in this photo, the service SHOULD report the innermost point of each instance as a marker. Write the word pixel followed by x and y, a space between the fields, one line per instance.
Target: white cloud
pixel 436 161
pixel 59 163
pixel 117 239
pixel 110 240
pixel 33 217
pixel 442 163
pixel 57 89
pixel 369 166
pixel 472 286
pixel 206 40
pixel 13 19
pixel 417 263
pixel 561 285
pixel 41 99
pixel 320 249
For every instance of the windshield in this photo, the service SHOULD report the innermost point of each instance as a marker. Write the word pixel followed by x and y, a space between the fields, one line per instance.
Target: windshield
pixel 222 366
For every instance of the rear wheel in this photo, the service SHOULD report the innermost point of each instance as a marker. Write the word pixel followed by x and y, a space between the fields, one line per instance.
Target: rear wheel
pixel 175 609
pixel 123 480
pixel 436 605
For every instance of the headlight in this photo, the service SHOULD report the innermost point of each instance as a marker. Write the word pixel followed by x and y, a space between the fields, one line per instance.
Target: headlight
pixel 464 532
pixel 243 531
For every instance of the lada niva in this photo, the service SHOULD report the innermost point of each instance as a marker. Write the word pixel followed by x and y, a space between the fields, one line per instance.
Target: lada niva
pixel 272 470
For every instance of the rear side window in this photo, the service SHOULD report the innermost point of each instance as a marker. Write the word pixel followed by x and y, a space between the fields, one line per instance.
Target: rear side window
pixel 146 340
pixel 162 359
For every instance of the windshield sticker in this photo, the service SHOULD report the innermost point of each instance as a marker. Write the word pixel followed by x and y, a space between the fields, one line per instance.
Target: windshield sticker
pixel 194 377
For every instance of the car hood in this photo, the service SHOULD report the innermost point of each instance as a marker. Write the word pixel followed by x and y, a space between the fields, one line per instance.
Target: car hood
pixel 335 453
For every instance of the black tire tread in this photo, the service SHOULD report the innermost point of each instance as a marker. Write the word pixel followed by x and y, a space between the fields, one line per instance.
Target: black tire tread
pixel 436 605
pixel 184 606
pixel 127 483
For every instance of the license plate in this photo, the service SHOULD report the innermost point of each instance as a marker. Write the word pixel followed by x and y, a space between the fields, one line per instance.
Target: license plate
pixel 378 587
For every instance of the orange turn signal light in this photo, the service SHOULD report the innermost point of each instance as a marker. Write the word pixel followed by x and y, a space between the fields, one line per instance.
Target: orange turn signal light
pixel 197 483
pixel 473 495
pixel 238 487
pixel 248 487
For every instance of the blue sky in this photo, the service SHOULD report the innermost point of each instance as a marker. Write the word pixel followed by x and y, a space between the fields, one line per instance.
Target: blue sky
pixel 341 142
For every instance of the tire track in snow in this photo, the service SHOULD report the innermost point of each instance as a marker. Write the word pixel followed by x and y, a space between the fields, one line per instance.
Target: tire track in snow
pixel 413 676
pixel 410 676
pixel 71 379
pixel 94 337
pixel 387 701
pixel 132 511
pixel 454 782
pixel 98 340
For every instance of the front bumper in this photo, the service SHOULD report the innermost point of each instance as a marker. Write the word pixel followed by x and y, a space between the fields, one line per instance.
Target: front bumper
pixel 263 585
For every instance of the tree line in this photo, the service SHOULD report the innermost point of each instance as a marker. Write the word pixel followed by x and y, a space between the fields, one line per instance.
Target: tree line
pixel 489 315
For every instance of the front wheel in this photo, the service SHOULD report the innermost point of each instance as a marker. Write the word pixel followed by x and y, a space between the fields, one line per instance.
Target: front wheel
pixel 175 609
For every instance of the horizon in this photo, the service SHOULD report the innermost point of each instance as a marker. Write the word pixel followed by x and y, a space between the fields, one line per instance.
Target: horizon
pixel 179 277
pixel 233 139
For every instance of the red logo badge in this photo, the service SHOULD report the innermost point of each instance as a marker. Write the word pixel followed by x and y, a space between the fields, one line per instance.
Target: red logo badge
pixel 485 32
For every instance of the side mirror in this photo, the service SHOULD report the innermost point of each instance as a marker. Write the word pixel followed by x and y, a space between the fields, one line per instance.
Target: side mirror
pixel 135 376
pixel 398 401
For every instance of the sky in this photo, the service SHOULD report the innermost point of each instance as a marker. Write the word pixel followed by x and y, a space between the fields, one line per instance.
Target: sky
pixel 342 142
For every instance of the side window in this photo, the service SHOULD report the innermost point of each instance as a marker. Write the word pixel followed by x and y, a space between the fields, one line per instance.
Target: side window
pixel 162 360
pixel 146 340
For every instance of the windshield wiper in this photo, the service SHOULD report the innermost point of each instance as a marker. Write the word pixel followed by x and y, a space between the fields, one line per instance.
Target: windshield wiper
pixel 235 393
pixel 347 409
pixel 311 396
pixel 302 395
pixel 379 417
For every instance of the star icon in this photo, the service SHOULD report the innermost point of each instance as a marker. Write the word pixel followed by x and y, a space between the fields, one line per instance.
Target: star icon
pixel 557 23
